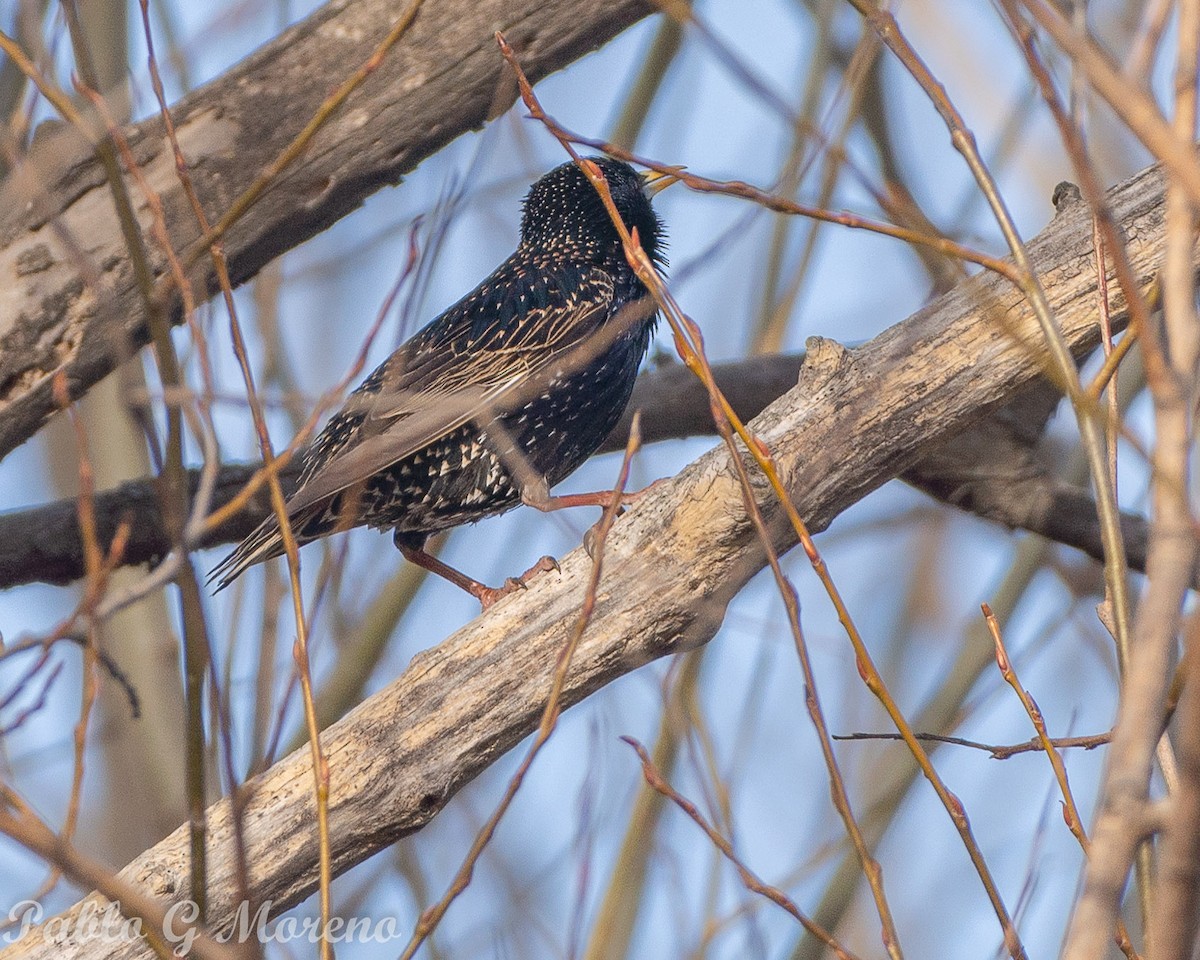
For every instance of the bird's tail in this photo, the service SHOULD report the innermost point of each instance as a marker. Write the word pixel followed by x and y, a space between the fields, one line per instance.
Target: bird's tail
pixel 264 543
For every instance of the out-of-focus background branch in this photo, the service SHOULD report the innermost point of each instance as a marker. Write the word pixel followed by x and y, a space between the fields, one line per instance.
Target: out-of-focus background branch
pixel 443 80
pixel 991 470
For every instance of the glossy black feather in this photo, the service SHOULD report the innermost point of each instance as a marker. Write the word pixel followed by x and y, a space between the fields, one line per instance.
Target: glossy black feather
pixel 519 381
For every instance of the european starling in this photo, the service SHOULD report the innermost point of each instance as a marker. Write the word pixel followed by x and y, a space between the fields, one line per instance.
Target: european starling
pixel 500 397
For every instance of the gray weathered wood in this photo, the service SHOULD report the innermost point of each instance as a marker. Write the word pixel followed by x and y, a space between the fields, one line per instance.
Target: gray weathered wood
pixel 856 419
pixel 57 220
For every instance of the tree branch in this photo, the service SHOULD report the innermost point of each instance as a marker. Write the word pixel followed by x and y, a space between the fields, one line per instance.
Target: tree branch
pixel 991 471
pixel 56 220
pixel 856 419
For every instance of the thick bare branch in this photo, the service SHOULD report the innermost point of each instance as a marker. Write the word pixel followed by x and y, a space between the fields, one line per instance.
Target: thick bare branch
pixel 57 223
pixel 855 419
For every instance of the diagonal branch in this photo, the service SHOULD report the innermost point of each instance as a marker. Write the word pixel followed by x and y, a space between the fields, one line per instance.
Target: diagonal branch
pixel 856 419
pixel 56 218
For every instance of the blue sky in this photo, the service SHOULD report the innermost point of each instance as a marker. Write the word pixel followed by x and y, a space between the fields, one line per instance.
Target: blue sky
pixel 913 573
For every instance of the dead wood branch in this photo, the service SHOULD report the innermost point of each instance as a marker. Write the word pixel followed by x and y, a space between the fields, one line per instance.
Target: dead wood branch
pixel 856 419
pixel 56 215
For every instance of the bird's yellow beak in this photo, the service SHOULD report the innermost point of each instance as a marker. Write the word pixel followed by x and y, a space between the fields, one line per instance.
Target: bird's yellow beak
pixel 656 181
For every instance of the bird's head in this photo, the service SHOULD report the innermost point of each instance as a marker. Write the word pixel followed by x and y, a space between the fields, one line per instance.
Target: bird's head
pixel 563 208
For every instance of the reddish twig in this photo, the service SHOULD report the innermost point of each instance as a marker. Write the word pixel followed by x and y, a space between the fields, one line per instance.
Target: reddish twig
pixel 751 880
pixel 1070 810
pixel 689 344
pixel 431 917
pixel 998 751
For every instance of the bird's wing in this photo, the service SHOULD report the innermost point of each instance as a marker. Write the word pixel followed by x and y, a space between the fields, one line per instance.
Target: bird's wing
pixel 432 393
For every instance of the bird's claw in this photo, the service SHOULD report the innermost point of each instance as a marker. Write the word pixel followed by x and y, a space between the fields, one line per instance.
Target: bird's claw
pixel 489 595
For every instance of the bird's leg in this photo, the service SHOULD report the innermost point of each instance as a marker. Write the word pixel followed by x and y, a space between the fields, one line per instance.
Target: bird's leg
pixel 484 594
pixel 538 496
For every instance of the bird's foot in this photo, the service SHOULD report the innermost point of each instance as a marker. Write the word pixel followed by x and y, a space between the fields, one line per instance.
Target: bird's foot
pixel 629 499
pixel 489 595
pixel 537 496
pixel 544 565
pixel 601 498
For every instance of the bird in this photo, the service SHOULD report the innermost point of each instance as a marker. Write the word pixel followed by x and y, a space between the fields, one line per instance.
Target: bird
pixel 498 398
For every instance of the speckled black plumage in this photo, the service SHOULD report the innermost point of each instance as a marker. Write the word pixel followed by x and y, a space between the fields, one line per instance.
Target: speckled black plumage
pixel 516 384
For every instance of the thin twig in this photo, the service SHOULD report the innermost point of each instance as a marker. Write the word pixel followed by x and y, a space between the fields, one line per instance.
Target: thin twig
pixel 1172 357
pixel 1070 810
pixel 1131 102
pixel 688 345
pixel 998 751
pixel 431 917
pixel 748 877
